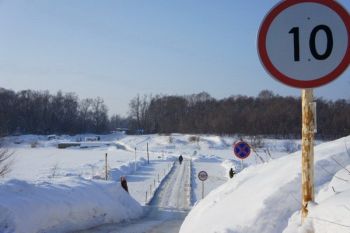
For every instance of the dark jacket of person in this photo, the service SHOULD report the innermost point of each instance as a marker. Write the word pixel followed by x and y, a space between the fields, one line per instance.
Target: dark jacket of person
pixel 180 159
pixel 231 173
pixel 124 183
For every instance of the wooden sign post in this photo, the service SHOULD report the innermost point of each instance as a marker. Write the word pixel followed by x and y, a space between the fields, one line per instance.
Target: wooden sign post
pixel 135 161
pixel 147 154
pixel 106 167
pixel 307 163
pixel 306 44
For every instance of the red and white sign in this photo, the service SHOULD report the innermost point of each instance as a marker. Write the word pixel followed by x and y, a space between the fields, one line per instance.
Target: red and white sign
pixel 203 175
pixel 305 43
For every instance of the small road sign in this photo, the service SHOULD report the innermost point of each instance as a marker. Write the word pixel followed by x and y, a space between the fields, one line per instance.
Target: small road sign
pixel 305 43
pixel 203 175
pixel 241 149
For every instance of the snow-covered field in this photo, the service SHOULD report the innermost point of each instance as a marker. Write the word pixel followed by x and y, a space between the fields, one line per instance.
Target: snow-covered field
pixel 63 190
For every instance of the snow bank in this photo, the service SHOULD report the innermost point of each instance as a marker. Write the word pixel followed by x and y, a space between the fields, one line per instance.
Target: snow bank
pixel 262 198
pixel 68 204
pixel 126 168
pixel 206 158
pixel 332 211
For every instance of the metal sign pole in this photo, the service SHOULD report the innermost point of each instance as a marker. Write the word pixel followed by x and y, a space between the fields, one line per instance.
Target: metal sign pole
pixel 202 176
pixel 307 151
pixel 202 189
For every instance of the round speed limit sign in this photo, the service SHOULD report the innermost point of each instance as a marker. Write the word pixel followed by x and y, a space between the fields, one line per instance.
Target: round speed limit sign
pixel 305 43
pixel 203 175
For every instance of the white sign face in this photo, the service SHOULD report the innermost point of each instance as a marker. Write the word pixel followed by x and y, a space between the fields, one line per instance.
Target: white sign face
pixel 305 43
pixel 202 175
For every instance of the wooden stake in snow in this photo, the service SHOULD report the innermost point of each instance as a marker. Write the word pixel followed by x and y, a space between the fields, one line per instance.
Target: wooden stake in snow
pixel 308 127
pixel 106 167
pixel 147 154
pixel 135 161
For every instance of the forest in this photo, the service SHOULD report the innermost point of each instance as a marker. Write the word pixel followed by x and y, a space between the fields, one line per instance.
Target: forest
pixel 268 114
pixel 39 112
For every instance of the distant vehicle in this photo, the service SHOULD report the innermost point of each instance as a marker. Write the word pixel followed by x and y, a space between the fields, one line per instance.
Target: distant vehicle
pixel 52 137
pixel 121 130
pixel 92 139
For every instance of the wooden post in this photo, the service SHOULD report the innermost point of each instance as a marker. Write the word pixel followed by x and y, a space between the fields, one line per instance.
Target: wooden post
pixel 307 152
pixel 147 154
pixel 135 161
pixel 106 167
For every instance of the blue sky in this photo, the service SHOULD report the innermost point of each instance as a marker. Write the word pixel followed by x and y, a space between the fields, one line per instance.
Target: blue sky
pixel 118 49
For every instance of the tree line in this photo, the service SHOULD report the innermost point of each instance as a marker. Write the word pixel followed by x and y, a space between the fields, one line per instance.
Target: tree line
pixel 39 112
pixel 266 114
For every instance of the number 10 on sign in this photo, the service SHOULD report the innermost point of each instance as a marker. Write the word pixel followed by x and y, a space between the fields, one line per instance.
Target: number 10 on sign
pixel 312 42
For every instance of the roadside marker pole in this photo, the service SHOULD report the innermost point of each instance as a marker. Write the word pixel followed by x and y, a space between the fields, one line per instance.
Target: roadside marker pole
pixel 308 129
pixel 135 161
pixel 147 154
pixel 106 167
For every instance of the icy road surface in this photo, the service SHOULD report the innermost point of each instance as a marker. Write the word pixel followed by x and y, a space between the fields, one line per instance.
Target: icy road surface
pixel 166 211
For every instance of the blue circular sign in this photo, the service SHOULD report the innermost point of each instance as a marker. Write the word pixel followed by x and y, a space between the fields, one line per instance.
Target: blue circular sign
pixel 241 149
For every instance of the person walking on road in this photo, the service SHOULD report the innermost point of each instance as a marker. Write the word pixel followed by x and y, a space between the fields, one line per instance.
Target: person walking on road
pixel 180 159
pixel 123 183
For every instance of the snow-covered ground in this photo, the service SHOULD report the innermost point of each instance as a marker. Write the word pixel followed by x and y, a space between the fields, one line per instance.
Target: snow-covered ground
pixel 265 198
pixel 63 190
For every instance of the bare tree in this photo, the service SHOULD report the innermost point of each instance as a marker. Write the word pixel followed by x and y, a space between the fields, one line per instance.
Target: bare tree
pixel 99 115
pixel 5 164
pixel 135 110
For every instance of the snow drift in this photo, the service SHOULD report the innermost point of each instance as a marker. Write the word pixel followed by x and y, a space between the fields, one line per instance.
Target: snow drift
pixel 67 204
pixel 262 198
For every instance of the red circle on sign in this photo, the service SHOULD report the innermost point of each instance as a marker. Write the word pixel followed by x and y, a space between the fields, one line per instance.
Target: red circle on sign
pixel 203 175
pixel 336 7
